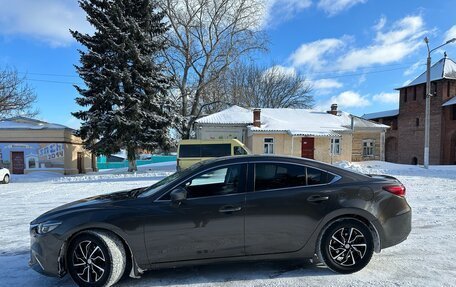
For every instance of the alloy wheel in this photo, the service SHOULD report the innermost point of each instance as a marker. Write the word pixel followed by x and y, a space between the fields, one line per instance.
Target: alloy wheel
pixel 89 261
pixel 347 246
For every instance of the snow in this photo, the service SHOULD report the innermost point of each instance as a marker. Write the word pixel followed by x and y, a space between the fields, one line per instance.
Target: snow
pixel 297 122
pixel 424 259
pixel 26 123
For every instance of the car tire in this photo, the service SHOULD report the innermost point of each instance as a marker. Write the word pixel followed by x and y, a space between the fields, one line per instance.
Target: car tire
pixel 346 246
pixel 6 179
pixel 96 258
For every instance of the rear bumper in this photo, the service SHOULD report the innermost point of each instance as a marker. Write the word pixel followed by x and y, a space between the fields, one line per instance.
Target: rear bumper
pixel 45 255
pixel 396 229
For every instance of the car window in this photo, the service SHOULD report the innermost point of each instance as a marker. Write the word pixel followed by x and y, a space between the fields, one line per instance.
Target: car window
pixel 316 176
pixel 279 175
pixel 273 176
pixel 221 181
pixel 238 150
pixel 189 151
pixel 215 150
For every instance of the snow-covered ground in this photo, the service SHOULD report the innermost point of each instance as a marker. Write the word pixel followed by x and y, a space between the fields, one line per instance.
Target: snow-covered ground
pixel 426 258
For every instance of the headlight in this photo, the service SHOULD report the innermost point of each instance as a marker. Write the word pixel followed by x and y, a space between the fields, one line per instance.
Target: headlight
pixel 46 227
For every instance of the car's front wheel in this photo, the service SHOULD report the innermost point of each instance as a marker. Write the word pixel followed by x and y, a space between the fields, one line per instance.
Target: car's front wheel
pixel 346 246
pixel 96 258
pixel 6 179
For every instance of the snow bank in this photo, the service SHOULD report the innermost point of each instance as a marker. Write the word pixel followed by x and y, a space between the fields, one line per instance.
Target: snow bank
pixel 424 259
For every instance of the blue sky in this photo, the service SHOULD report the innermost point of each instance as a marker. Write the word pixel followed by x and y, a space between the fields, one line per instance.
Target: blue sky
pixel 353 52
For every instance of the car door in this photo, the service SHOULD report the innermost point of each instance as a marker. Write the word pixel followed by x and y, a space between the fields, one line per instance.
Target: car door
pixel 285 207
pixel 208 224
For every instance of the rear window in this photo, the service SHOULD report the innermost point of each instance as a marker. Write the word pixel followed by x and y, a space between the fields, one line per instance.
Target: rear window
pixel 279 175
pixel 274 176
pixel 215 150
pixel 204 150
pixel 189 151
pixel 316 176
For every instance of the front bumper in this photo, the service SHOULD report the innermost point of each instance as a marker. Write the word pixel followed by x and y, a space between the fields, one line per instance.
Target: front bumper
pixel 396 229
pixel 46 252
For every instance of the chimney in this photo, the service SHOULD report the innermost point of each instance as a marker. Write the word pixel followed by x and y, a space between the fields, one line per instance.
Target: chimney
pixel 257 118
pixel 333 110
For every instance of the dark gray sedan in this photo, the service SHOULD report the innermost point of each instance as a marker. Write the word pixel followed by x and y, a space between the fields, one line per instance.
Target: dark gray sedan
pixel 227 209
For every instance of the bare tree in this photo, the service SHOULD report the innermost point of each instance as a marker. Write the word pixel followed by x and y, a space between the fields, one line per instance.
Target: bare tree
pixel 206 37
pixel 261 87
pixel 16 95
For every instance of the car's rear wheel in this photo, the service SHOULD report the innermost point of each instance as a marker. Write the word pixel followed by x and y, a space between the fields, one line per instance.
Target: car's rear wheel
pixel 346 246
pixel 96 258
pixel 6 179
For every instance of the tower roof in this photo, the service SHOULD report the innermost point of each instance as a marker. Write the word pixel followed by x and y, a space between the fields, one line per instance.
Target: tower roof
pixel 443 69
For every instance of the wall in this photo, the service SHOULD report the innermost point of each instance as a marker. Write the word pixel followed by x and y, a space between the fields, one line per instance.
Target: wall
pixel 53 150
pixel 283 146
pixel 448 152
pixel 357 146
pixel 410 136
pixel 221 132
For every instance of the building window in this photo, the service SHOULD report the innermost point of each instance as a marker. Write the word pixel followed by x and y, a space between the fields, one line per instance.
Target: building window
pixel 453 112
pixel 268 146
pixel 405 95
pixel 448 89
pixel 335 146
pixel 417 122
pixel 368 147
pixel 424 91
pixel 32 163
pixel 433 88
pixel 414 93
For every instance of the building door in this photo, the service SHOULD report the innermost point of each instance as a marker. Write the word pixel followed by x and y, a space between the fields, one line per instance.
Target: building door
pixel 17 160
pixel 307 147
pixel 80 162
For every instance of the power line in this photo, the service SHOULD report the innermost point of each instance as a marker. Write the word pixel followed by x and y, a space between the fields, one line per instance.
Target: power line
pixel 55 82
pixel 365 71
pixel 53 75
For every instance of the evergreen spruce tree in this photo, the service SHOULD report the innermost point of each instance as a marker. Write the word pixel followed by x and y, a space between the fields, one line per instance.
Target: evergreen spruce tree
pixel 125 102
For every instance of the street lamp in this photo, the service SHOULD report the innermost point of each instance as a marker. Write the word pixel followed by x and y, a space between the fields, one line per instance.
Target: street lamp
pixel 427 121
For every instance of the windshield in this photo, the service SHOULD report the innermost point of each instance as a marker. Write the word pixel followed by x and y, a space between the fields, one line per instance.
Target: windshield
pixel 160 184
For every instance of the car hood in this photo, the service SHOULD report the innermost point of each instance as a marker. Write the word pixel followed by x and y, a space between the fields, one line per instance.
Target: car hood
pixel 94 202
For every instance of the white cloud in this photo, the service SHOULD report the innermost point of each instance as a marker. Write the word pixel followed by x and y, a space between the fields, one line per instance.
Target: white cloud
pixel 451 33
pixel 380 24
pixel 45 20
pixel 278 69
pixel 386 98
pixel 326 84
pixel 311 54
pixel 281 10
pixel 400 41
pixel 418 66
pixel 349 99
pixel 344 101
pixel 333 7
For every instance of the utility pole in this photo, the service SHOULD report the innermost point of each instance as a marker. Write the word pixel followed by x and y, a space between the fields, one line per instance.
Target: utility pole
pixel 427 119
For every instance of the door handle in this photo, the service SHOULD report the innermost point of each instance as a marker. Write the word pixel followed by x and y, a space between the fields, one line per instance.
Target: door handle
pixel 229 209
pixel 317 198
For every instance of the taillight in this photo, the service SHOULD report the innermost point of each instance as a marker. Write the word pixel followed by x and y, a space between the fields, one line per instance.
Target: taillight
pixel 397 189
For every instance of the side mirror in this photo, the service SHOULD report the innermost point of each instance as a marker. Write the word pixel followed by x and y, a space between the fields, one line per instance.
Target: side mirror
pixel 178 195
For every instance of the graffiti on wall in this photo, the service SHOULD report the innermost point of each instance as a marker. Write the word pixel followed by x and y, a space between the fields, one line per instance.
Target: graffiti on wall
pixel 36 155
